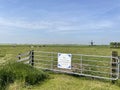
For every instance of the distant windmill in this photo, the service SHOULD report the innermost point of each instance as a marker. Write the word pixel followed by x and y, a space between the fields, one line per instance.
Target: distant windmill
pixel 92 43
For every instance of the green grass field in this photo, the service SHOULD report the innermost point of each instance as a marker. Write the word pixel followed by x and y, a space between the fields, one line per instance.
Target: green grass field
pixel 60 81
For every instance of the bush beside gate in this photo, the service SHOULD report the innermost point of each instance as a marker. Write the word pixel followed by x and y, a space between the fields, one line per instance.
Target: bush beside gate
pixel 19 71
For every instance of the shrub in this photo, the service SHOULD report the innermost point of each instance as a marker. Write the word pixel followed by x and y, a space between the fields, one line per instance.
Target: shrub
pixel 21 70
pixel 35 77
pixel 6 77
pixel 12 71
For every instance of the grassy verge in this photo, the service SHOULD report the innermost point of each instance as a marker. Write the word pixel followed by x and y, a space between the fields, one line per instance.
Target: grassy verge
pixel 19 71
pixel 67 82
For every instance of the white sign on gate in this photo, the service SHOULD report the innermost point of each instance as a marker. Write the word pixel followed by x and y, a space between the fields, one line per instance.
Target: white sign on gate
pixel 64 60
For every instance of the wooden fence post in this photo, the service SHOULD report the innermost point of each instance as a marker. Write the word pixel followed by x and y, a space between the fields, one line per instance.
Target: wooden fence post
pixel 114 65
pixel 119 65
pixel 32 57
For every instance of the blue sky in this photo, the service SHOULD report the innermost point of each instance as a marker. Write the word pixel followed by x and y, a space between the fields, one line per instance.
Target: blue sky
pixel 59 21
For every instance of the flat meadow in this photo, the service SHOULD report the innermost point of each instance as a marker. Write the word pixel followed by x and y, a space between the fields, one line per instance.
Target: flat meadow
pixel 8 53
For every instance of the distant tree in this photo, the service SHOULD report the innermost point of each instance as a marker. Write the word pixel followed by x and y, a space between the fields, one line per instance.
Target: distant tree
pixel 111 44
pixel 115 44
pixel 118 44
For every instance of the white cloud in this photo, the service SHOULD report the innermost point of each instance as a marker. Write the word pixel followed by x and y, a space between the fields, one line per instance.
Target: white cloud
pixel 85 27
pixel 24 24
pixel 60 26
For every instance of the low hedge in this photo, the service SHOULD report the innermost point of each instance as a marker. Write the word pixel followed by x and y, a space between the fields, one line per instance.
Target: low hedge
pixel 35 77
pixel 12 71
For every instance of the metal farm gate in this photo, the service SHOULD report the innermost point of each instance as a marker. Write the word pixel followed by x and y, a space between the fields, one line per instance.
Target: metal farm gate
pixel 85 65
pixel 103 67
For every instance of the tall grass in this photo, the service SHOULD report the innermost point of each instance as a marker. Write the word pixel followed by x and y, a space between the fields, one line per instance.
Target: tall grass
pixel 67 82
pixel 19 71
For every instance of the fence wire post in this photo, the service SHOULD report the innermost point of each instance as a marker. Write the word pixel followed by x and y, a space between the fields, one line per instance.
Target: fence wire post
pixel 114 68
pixel 81 65
pixel 32 57
pixel 119 67
pixel 52 61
